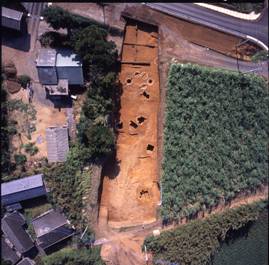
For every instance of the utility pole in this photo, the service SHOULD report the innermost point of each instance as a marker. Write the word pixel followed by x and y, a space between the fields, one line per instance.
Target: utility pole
pixel 146 254
pixel 236 51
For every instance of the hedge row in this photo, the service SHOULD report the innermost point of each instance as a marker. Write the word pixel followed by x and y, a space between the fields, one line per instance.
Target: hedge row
pixel 196 242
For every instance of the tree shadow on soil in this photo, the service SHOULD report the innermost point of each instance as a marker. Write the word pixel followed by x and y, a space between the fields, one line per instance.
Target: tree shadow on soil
pixel 111 168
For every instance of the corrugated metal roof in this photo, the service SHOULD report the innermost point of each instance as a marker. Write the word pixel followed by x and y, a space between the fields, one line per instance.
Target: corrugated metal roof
pixel 66 57
pixel 21 184
pixel 11 13
pixel 57 143
pixel 46 57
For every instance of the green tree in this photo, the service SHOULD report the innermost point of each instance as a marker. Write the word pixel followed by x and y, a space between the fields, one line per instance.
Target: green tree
pixel 20 159
pixel 100 140
pixel 260 56
pixel 24 80
pixel 57 18
pixel 98 55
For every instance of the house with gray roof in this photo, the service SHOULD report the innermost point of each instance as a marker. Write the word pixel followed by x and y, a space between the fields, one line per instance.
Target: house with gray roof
pixel 11 18
pixel 61 64
pixel 22 189
pixel 8 253
pixel 51 228
pixel 57 143
pixel 13 225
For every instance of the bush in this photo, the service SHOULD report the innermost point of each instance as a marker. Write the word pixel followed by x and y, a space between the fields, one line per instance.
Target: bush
pixel 215 138
pixel 260 56
pixel 20 159
pixel 195 242
pixel 70 256
pixel 30 148
pixel 10 70
pixel 24 80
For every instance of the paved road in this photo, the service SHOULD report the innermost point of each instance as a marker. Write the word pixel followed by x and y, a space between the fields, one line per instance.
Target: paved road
pixel 257 29
pixel 35 9
pixel 223 61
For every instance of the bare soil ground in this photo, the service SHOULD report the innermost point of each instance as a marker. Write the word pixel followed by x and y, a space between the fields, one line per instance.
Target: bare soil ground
pixel 130 194
pixel 45 116
pixel 125 247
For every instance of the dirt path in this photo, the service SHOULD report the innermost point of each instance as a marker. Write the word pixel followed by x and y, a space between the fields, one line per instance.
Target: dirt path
pixel 130 189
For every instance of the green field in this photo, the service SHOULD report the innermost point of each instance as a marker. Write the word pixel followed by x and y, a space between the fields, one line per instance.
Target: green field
pixel 215 138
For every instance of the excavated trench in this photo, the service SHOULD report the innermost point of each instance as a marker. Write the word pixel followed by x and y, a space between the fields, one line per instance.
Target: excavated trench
pixel 130 194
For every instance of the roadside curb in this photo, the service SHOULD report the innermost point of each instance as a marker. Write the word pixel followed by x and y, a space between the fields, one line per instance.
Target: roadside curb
pixel 216 27
pixel 251 16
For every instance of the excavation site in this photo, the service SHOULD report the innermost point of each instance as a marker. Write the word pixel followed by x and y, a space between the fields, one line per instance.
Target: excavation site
pixel 130 192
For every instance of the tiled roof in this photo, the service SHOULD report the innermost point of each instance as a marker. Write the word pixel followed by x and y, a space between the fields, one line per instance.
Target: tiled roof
pixel 12 227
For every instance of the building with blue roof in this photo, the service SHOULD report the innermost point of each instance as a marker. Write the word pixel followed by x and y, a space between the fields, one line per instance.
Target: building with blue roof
pixel 22 189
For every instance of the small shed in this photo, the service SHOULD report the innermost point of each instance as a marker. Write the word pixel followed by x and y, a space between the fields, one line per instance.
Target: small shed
pixel 22 189
pixel 46 67
pixel 57 143
pixel 11 18
pixel 13 228
pixel 51 228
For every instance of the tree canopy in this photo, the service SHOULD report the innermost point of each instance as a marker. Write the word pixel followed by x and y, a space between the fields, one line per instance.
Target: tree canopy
pixel 196 242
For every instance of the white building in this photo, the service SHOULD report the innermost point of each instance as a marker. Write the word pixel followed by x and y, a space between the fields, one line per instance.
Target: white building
pixel 54 65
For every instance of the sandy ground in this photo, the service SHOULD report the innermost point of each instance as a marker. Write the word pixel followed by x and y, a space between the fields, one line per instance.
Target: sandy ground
pixel 131 194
